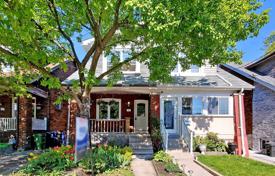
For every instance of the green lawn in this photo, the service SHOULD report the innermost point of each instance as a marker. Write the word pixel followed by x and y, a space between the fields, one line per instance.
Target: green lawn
pixel 118 172
pixel 230 165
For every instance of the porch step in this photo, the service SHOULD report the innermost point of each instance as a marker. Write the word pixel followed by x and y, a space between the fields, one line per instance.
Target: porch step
pixel 141 144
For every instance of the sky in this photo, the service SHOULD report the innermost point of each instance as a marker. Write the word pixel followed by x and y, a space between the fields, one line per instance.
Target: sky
pixel 252 48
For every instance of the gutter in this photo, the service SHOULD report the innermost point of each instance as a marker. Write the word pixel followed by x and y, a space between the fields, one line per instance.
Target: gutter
pixel 241 121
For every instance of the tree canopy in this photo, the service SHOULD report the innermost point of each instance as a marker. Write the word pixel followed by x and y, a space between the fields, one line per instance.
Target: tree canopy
pixel 270 43
pixel 36 33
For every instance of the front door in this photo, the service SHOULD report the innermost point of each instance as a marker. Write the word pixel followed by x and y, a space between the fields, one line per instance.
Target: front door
pixel 169 112
pixel 141 115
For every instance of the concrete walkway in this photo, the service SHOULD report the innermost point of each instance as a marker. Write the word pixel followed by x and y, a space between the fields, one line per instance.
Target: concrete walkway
pixel 261 157
pixel 185 160
pixel 11 163
pixel 142 167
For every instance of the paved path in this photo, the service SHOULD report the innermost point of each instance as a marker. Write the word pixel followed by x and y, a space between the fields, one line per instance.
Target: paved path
pixel 142 167
pixel 12 162
pixel 185 160
pixel 261 157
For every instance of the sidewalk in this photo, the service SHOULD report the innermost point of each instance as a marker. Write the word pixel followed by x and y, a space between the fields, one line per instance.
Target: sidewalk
pixel 185 160
pixel 142 167
pixel 12 162
pixel 261 157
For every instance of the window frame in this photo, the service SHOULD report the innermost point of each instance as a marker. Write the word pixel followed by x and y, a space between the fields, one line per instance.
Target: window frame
pixel 192 104
pixel 218 114
pixel 120 51
pixel 108 111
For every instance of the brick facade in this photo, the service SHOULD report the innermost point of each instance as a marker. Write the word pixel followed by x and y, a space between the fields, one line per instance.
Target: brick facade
pixel 155 106
pixel 263 115
pixel 5 106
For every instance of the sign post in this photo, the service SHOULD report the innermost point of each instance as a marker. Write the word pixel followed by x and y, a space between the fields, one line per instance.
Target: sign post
pixel 81 137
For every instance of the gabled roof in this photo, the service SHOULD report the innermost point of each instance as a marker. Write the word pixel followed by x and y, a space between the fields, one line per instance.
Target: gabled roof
pixel 266 81
pixel 260 60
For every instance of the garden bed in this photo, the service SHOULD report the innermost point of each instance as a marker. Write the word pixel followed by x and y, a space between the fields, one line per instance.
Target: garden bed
pixel 160 169
pixel 232 165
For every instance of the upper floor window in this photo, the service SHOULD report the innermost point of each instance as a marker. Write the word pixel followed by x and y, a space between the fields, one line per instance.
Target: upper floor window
pixel 130 67
pixel 194 69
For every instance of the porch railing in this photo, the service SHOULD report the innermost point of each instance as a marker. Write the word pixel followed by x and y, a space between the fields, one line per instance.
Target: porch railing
pixel 107 126
pixel 185 133
pixel 164 135
pixel 8 124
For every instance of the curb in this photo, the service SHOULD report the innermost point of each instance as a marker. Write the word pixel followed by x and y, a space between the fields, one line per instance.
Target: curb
pixel 211 171
pixel 155 168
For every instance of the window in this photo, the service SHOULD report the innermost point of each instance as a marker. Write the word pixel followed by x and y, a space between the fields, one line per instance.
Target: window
pixel 194 69
pixel 192 105
pixel 218 105
pixel 123 55
pixel 131 66
pixel 108 109
pixel 169 114
pixel 187 105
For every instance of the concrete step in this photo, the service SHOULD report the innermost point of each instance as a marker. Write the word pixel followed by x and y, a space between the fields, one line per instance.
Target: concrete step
pixel 141 146
pixel 143 152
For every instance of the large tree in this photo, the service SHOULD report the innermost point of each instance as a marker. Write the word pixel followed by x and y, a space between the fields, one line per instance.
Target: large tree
pixel 35 33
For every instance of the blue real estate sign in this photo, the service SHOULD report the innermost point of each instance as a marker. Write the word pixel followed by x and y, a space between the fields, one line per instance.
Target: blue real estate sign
pixel 81 137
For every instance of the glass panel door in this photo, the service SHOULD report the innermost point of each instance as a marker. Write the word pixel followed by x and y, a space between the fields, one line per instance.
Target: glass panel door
pixel 169 113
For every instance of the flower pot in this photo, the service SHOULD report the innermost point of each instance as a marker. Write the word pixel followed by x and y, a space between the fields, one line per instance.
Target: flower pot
pixel 202 148
pixel 231 148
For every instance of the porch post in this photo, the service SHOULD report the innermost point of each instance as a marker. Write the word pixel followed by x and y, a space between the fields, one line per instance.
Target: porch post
pixel 24 120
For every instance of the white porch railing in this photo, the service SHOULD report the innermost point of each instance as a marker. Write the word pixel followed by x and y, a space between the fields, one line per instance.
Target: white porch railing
pixel 185 133
pixel 8 124
pixel 164 135
pixel 39 124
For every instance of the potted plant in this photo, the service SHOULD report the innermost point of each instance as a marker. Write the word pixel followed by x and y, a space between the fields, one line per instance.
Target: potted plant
pixel 202 148
pixel 231 148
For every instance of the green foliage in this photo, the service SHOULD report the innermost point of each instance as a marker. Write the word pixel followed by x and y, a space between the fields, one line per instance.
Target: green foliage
pixel 172 167
pixel 231 165
pixel 161 156
pixel 106 158
pixel 212 142
pixel 270 43
pixel 156 134
pixel 36 33
pixel 54 160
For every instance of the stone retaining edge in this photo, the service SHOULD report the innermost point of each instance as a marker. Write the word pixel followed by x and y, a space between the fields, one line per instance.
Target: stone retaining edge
pixel 211 171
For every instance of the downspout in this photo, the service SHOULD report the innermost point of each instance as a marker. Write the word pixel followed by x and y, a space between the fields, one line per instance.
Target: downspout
pixel 241 121
pixel 68 121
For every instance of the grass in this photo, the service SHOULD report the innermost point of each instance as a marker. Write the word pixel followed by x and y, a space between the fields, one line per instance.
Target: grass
pixel 4 145
pixel 118 172
pixel 230 165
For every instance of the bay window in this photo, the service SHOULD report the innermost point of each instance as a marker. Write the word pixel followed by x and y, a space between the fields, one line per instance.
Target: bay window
pixel 108 108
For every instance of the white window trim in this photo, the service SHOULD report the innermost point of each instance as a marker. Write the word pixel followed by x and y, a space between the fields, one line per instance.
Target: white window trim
pixel 105 64
pixel 108 100
pixel 188 72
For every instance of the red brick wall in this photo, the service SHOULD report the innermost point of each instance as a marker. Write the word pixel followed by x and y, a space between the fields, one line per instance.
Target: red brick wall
pixel 58 118
pixel 125 98
pixel 25 119
pixel 6 102
pixel 155 106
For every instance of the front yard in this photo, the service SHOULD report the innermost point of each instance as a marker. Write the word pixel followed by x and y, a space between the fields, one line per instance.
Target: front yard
pixel 231 165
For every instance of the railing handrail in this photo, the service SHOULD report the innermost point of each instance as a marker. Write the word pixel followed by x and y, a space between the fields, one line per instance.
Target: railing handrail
pixel 107 119
pixel 186 133
pixel 7 124
pixel 164 135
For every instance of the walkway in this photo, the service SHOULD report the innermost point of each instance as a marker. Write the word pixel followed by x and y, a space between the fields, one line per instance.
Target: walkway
pixel 142 167
pixel 261 157
pixel 12 162
pixel 185 160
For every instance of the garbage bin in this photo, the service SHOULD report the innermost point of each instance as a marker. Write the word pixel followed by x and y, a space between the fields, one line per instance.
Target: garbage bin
pixel 270 149
pixel 39 140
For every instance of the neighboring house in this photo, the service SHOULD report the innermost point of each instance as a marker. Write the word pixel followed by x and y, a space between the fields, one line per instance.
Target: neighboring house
pixel 198 100
pixel 22 116
pixel 260 107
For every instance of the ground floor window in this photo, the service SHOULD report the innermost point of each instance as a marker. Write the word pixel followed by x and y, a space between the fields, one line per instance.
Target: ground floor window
pixel 192 105
pixel 108 108
pixel 218 105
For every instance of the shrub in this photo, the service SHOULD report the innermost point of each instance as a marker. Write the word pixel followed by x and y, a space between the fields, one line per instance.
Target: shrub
pixel 212 141
pixel 156 134
pixel 161 156
pixel 172 167
pixel 53 160
pixel 106 158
